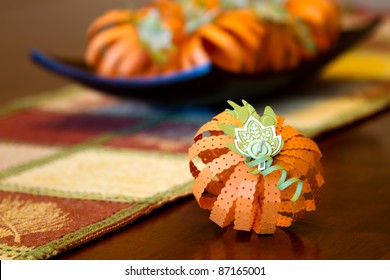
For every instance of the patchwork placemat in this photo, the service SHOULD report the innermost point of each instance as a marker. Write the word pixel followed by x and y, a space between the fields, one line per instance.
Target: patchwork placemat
pixel 76 164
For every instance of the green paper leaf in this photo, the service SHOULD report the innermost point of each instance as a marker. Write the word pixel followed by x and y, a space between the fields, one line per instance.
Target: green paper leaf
pixel 251 110
pixel 257 138
pixel 154 35
pixel 228 129
pixel 255 132
pixel 269 117
pixel 232 147
pixel 239 112
pixel 254 171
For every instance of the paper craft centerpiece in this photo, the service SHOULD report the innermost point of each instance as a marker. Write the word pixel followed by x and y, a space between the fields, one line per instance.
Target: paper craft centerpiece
pixel 254 171
pixel 239 36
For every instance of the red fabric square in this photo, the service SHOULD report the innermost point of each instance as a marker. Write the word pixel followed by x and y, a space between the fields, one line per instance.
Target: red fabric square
pixel 171 136
pixel 43 127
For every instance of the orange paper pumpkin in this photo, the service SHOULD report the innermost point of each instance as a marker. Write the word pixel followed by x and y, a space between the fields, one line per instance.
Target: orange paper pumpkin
pixel 254 171
pixel 142 42
pixel 240 37
pixel 232 40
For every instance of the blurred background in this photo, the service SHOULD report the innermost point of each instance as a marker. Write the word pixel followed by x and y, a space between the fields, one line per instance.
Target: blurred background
pixel 58 26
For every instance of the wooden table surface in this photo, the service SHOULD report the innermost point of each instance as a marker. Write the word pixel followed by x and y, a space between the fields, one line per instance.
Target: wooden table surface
pixel 352 220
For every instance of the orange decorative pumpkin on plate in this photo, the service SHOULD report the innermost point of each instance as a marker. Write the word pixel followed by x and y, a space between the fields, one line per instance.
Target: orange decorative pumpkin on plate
pixel 168 36
pixel 201 54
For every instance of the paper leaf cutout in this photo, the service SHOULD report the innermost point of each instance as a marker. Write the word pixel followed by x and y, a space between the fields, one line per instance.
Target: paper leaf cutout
pixel 234 4
pixel 155 35
pixel 242 113
pixel 274 11
pixel 252 140
pixel 257 139
pixel 197 15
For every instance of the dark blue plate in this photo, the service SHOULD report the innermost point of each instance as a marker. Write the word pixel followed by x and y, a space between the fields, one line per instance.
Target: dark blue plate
pixel 206 85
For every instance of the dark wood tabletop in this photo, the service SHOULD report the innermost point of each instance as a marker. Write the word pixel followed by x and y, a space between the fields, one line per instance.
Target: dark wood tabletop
pixel 351 222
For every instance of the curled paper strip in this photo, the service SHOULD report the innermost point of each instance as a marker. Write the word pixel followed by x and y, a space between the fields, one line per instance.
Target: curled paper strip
pixel 253 171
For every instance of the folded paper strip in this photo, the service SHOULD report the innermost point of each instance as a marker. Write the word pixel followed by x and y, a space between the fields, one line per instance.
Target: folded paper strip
pixel 253 171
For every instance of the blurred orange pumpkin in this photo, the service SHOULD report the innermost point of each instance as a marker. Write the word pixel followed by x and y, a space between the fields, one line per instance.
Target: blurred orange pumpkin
pixel 168 36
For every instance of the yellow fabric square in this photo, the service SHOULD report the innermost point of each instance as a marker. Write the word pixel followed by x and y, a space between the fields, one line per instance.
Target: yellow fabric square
pixel 109 173
pixel 13 154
